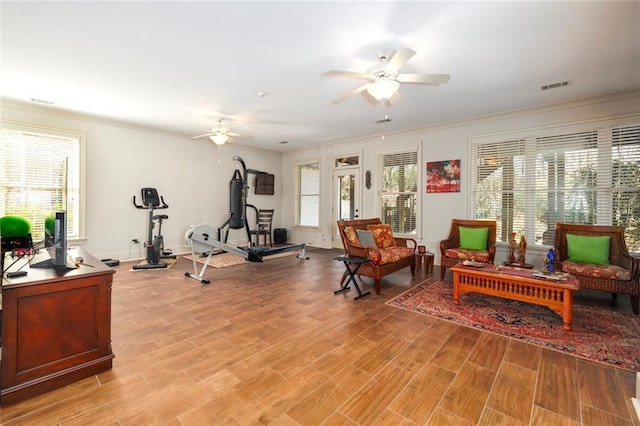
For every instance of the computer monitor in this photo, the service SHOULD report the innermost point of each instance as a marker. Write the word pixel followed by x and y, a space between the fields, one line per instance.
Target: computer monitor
pixel 59 250
pixel 55 242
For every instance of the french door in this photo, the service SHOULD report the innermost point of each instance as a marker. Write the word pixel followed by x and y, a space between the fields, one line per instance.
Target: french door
pixel 347 201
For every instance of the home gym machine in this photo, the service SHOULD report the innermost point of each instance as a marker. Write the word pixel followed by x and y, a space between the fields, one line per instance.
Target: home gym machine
pixel 151 201
pixel 202 238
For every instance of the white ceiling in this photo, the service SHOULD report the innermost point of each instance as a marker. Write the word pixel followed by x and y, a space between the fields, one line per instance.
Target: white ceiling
pixel 179 66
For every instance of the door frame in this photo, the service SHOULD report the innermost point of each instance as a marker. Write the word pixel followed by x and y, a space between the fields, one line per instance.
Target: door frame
pixel 336 241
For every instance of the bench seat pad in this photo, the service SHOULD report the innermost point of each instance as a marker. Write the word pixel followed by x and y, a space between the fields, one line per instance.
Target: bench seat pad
pixel 462 254
pixel 599 271
pixel 389 255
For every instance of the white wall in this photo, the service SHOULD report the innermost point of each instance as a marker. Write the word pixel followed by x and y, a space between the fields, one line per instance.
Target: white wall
pixel 444 142
pixel 192 175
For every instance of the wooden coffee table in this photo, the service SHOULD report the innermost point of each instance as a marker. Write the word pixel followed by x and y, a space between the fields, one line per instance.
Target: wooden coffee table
pixel 517 284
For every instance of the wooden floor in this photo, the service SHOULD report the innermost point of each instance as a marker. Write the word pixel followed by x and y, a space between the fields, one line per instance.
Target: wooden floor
pixel 271 344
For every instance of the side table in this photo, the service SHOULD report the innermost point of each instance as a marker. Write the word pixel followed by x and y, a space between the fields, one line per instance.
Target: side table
pixel 427 258
pixel 352 264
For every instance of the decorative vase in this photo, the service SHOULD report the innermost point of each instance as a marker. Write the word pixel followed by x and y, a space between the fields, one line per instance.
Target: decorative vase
pixel 522 250
pixel 512 248
pixel 550 261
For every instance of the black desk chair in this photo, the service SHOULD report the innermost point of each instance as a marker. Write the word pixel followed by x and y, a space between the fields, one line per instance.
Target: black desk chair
pixel 263 226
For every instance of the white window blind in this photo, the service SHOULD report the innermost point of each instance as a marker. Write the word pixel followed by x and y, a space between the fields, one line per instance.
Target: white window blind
pixel 309 194
pixel 498 184
pixel 398 190
pixel 625 178
pixel 40 174
pixel 591 176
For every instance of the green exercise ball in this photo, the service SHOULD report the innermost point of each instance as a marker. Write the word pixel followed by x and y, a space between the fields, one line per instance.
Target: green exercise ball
pixel 14 226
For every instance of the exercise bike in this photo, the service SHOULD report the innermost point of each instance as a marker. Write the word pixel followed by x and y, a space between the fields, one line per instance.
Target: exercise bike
pixel 155 246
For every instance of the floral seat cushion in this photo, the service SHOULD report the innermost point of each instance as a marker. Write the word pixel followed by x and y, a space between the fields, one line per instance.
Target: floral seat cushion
pixel 463 254
pixel 598 271
pixel 389 255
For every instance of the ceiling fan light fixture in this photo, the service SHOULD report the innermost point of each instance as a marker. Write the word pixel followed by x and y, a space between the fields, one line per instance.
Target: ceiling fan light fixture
pixel 219 138
pixel 383 89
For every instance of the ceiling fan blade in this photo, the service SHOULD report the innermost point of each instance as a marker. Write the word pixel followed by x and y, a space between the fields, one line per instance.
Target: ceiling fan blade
pixel 349 74
pixel 351 93
pixel 398 60
pixel 423 78
pixel 239 135
pixel 206 135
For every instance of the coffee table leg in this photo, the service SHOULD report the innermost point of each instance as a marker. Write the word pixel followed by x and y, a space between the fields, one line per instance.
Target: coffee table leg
pixel 567 310
pixel 456 288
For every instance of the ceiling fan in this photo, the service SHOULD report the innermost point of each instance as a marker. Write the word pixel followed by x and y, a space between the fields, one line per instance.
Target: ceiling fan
pixel 385 79
pixel 221 134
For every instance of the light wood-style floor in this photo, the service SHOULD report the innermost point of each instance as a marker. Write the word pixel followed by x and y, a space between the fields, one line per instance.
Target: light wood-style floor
pixel 271 344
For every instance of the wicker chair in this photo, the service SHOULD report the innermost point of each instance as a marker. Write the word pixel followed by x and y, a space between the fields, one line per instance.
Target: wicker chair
pixel 452 254
pixel 619 277
pixel 374 269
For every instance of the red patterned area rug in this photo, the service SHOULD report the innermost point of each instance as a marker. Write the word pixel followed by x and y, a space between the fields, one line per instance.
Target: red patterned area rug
pixel 598 334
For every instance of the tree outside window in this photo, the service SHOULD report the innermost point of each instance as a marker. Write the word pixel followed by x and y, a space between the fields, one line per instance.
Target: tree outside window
pixel 399 191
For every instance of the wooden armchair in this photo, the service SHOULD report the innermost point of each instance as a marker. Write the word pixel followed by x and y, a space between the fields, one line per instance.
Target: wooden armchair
pixel 384 260
pixel 618 276
pixel 453 253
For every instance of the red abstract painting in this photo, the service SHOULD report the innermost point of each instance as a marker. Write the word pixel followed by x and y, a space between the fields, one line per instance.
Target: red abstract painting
pixel 443 176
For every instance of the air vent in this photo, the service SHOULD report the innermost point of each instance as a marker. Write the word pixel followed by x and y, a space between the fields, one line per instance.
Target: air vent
pixel 386 119
pixel 555 85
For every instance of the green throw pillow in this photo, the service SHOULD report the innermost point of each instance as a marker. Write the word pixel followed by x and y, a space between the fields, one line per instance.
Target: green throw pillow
pixel 473 238
pixel 586 249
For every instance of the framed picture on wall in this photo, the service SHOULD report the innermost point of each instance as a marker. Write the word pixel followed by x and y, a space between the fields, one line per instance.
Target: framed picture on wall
pixel 264 183
pixel 443 176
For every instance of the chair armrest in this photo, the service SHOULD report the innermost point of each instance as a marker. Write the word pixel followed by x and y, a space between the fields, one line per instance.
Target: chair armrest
pixel 451 242
pixel 403 242
pixel 492 252
pixel 635 268
pixel 446 244
pixel 357 250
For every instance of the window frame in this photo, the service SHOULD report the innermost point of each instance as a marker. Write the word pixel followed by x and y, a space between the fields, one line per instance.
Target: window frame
pixel 54 132
pixel 298 180
pixel 404 150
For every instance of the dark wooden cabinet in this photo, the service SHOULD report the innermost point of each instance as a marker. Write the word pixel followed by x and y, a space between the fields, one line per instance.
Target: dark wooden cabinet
pixel 56 328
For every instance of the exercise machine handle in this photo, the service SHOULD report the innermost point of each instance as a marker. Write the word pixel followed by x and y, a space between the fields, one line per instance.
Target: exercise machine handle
pixel 163 205
pixel 138 206
pixel 150 200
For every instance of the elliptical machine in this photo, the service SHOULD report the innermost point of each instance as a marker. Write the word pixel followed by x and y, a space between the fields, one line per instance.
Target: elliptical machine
pixel 155 246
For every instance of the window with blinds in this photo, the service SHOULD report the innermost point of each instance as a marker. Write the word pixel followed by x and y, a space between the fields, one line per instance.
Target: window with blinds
pixel 528 185
pixel 398 190
pixel 308 211
pixel 40 174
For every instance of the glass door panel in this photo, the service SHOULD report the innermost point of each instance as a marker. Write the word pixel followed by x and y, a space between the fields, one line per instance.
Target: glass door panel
pixel 346 198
